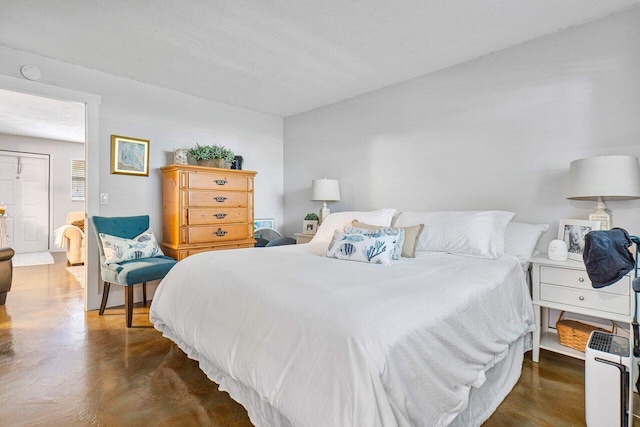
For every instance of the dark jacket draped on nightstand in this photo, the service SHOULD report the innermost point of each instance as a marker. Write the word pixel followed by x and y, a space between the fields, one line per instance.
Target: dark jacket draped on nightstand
pixel 607 257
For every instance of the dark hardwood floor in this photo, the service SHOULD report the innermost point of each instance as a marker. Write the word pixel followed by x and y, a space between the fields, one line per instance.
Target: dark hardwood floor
pixel 62 366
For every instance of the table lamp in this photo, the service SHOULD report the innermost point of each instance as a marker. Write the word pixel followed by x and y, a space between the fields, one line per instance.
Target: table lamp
pixel 604 178
pixel 325 190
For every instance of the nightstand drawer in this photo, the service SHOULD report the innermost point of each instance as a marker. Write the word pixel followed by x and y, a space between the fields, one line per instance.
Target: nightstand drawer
pixel 591 299
pixel 579 279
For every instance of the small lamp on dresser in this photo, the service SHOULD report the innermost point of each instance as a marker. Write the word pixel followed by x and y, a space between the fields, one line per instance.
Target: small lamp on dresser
pixel 325 190
pixel 604 178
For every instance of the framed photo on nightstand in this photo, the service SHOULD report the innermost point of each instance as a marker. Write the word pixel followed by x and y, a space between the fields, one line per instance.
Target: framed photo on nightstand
pixel 572 231
pixel 309 227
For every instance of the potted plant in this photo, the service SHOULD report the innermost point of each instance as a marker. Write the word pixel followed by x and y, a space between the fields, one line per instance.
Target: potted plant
pixel 216 156
pixel 310 224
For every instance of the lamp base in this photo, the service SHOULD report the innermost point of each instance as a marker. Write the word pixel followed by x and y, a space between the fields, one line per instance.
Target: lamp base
pixel 603 217
pixel 601 214
pixel 323 213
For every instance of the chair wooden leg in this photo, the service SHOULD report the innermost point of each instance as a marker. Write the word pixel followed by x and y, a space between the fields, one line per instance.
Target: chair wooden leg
pixel 105 296
pixel 128 304
pixel 144 293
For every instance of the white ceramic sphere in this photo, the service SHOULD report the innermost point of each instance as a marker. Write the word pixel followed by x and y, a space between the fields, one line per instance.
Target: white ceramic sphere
pixel 558 250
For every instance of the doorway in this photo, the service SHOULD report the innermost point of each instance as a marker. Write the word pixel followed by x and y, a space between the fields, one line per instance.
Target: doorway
pixel 24 190
pixel 91 155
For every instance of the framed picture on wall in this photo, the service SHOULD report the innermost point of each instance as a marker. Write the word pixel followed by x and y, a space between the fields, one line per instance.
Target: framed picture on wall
pixel 263 223
pixel 129 156
pixel 572 231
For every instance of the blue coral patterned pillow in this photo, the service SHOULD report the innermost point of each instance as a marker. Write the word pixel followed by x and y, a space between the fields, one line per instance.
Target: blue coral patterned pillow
pixel 376 248
pixel 398 232
pixel 117 249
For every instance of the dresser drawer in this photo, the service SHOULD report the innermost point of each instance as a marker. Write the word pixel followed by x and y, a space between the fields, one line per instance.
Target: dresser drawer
pixel 580 280
pixel 216 181
pixel 217 233
pixel 590 299
pixel 217 198
pixel 204 216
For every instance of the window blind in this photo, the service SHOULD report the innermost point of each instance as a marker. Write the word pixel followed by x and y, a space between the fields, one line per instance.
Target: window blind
pixel 77 179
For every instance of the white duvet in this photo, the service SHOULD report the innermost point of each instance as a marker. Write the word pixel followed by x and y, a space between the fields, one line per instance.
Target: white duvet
pixel 304 340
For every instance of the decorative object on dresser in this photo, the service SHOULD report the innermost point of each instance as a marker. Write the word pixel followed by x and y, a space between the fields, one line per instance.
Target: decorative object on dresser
pixel 325 190
pixel 310 224
pixel 237 163
pixel 572 232
pixel 206 209
pixel 129 156
pixel 180 156
pixel 604 178
pixel 216 156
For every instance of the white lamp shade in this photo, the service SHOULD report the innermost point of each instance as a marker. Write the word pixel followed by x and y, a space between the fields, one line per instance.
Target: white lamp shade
pixel 325 190
pixel 608 177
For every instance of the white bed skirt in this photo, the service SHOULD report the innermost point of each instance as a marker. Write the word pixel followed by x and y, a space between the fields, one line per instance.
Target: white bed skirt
pixel 483 401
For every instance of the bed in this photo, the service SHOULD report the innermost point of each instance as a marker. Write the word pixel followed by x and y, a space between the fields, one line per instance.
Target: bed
pixel 300 339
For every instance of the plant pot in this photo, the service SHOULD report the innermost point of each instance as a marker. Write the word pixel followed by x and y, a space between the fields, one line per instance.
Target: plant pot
pixel 215 163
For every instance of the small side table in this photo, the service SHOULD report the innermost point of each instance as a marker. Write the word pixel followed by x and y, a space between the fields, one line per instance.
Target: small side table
pixel 3 231
pixel 303 238
pixel 565 286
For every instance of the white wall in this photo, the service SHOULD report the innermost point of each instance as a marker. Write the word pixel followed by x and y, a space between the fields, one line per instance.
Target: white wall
pixel 169 120
pixel 498 132
pixel 61 152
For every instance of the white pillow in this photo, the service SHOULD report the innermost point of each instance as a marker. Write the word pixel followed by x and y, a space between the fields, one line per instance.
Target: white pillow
pixel 374 248
pixel 117 249
pixel 340 220
pixel 521 239
pixel 472 233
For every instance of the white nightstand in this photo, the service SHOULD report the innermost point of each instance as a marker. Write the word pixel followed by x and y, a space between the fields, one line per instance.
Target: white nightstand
pixel 565 285
pixel 303 238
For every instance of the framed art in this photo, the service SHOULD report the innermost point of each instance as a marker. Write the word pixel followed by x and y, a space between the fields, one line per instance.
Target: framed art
pixel 129 156
pixel 264 223
pixel 572 231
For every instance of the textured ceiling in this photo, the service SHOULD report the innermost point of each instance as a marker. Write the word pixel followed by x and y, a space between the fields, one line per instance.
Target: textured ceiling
pixel 282 57
pixel 27 115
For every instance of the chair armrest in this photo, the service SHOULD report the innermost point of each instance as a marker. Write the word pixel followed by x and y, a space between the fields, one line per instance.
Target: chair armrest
pixel 72 232
pixel 6 254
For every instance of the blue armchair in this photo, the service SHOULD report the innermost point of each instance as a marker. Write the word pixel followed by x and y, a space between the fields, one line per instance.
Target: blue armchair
pixel 128 273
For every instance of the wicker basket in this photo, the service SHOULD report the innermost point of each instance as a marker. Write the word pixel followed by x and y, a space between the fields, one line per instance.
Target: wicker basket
pixel 574 334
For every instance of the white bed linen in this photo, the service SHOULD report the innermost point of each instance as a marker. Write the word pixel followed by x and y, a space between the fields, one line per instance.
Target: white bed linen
pixel 331 342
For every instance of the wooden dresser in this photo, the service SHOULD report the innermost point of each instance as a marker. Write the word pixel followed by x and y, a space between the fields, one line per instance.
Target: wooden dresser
pixel 205 209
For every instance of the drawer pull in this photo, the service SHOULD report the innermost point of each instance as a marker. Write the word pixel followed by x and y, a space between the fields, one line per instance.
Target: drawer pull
pixel 220 181
pixel 220 232
pixel 219 199
pixel 581 298
pixel 220 215
pixel 581 279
